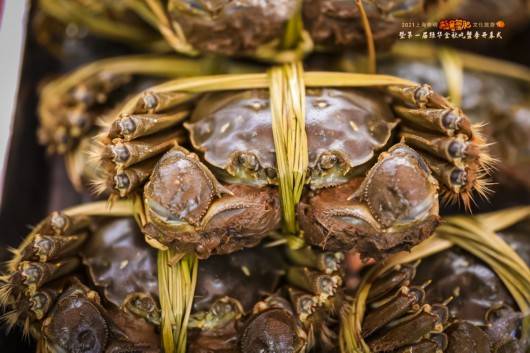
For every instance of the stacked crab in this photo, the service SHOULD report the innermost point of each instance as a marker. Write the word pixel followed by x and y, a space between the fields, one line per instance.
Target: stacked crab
pixel 309 201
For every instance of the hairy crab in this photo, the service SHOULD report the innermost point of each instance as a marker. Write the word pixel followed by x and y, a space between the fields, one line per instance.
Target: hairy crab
pixel 377 160
pixel 81 283
pixel 111 309
pixel 274 31
pixel 48 293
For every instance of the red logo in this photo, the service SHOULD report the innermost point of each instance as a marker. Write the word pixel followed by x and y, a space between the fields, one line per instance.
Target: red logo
pixel 456 24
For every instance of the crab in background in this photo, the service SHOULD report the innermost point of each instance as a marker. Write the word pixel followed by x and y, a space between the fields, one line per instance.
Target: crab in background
pixel 244 28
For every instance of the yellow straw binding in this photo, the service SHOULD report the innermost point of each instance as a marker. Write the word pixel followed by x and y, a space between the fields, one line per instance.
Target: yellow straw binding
pixel 287 97
pixel 176 283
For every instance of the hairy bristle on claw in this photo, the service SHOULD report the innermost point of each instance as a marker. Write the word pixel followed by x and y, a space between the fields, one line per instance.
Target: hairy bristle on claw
pixel 103 184
pixel 478 172
pixel 6 290
pixel 10 319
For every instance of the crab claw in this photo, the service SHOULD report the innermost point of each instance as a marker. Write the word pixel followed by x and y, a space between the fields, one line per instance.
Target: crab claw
pixel 392 209
pixel 75 324
pixel 188 209
pixel 78 323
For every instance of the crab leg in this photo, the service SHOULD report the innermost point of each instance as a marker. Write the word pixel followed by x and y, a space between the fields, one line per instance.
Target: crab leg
pixel 455 149
pixel 153 102
pixel 409 330
pixel 406 299
pixel 326 262
pixel 129 179
pixel 132 126
pixel 60 224
pixel 421 106
pixel 34 275
pixel 304 303
pixel 435 344
pixel 29 286
pixel 401 275
pixel 44 248
pixel 315 282
pixel 445 137
pixel 127 153
pixel 40 303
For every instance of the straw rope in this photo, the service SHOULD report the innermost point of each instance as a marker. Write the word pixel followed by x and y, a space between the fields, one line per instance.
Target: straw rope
pixel 287 101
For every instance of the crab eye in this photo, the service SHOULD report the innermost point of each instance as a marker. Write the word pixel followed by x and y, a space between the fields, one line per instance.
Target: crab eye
pixel 271 173
pixel 328 161
pixel 248 161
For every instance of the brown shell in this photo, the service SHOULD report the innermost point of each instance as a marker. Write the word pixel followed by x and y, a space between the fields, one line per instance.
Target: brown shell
pixel 119 262
pixel 349 124
pixel 257 270
pixel 231 27
pixel 338 23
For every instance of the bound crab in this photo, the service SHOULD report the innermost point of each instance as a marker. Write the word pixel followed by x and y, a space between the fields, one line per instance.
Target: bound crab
pixel 448 294
pixel 377 159
pixel 85 283
pixel 437 298
pixel 277 31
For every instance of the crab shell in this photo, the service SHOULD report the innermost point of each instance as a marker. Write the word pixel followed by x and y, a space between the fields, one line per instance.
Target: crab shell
pixel 338 23
pixel 244 27
pixel 344 130
pixel 119 262
pixel 231 27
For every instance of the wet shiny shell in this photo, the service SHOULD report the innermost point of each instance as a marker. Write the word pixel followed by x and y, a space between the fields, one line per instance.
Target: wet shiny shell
pixel 244 275
pixel 76 325
pixel 344 129
pixel 120 262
